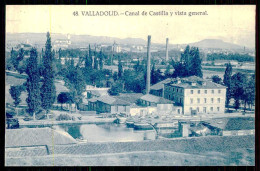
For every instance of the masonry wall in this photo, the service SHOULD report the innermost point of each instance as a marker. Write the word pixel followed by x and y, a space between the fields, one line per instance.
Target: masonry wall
pixel 204 100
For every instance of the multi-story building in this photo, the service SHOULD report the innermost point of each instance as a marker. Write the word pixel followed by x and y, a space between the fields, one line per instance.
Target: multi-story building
pixel 196 95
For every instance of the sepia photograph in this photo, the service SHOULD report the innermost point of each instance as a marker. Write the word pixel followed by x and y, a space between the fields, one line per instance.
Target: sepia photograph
pixel 128 85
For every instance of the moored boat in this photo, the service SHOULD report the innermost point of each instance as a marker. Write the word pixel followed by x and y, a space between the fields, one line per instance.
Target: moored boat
pixel 130 123
pixel 166 125
pixel 142 126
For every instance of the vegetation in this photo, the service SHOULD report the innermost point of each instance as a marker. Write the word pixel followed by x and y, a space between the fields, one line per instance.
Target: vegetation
pixel 227 83
pixel 189 65
pixel 216 79
pixel 33 84
pixel 48 91
pixel 236 56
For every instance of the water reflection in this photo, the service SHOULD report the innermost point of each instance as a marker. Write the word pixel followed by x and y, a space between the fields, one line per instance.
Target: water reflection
pixel 106 133
pixel 111 132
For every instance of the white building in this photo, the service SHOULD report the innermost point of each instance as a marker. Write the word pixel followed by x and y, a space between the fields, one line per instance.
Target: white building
pixel 196 95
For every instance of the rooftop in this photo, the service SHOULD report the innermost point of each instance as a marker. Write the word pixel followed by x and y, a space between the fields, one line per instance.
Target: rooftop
pixel 194 82
pixel 159 85
pixel 155 99
pixel 129 97
pixel 229 124
pixel 113 100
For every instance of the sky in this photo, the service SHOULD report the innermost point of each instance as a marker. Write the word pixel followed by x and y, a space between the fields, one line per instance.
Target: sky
pixel 232 23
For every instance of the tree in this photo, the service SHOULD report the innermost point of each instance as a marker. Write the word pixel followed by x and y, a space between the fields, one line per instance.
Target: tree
pixel 48 90
pixel 249 94
pixel 216 79
pixel 153 79
pixel 15 92
pixel 64 97
pixel 195 66
pixel 96 63
pixel 120 69
pixel 33 84
pixel 167 72
pixel 75 81
pixel 238 86
pixel 101 58
pixel 13 59
pixel 116 88
pixel 227 83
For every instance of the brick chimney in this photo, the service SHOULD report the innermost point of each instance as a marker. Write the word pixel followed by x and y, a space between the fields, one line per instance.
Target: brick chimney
pixel 148 71
pixel 167 58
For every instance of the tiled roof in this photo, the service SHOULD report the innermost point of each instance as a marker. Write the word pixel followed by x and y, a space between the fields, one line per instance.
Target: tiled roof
pixel 155 99
pixel 36 136
pixel 129 97
pixel 113 100
pixel 229 124
pixel 159 85
pixel 199 83
pixel 99 92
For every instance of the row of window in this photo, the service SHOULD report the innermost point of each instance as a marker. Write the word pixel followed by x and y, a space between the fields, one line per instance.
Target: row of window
pixel 205 109
pixel 205 91
pixel 205 100
pixel 175 89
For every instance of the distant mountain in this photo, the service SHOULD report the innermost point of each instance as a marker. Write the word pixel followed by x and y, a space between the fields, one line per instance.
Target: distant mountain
pixel 216 44
pixel 83 40
pixel 40 38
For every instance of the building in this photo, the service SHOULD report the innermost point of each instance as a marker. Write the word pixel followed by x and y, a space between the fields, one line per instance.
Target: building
pixel 232 126
pixel 163 105
pixel 196 95
pixel 62 43
pixel 109 104
pixel 157 89
pixel 95 92
pixel 224 62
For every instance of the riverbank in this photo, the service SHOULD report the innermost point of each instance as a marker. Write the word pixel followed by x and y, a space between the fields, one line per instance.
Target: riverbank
pixel 214 150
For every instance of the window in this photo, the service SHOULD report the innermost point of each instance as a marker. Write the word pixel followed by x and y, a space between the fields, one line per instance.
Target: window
pixel 116 108
pixel 191 100
pixel 204 109
pixel 218 100
pixel 198 109
pixel 169 96
pixel 206 91
pixel 198 91
pixel 219 91
pixel 180 100
pixel 212 100
pixel 190 108
pixel 177 89
pixel 205 100
pixel 179 111
pixel 211 109
pixel 191 91
pixel 173 89
pixel 218 109
pixel 198 100
pixel 212 91
pixel 124 108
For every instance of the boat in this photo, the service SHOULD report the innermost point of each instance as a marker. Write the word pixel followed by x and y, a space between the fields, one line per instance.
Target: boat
pixel 130 123
pixel 142 126
pixel 166 125
pixel 120 120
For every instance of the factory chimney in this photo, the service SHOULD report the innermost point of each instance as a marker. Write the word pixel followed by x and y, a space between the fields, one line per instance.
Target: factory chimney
pixel 148 65
pixel 167 58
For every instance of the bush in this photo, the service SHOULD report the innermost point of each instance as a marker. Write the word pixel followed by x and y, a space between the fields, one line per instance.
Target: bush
pixel 63 117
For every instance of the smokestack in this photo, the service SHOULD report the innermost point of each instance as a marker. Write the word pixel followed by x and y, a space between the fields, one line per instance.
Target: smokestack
pixel 167 40
pixel 148 65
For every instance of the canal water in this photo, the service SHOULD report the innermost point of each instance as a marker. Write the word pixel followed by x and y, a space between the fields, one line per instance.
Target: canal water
pixel 111 132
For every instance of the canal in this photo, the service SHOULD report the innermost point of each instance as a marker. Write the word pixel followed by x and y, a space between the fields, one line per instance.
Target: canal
pixel 111 132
